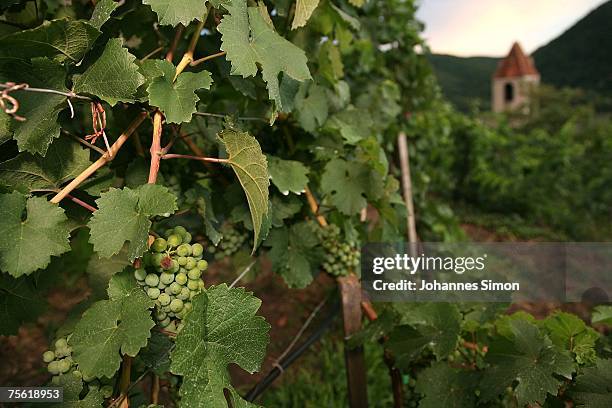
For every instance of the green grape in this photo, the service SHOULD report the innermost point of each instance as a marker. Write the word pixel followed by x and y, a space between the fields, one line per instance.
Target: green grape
pixel 164 323
pixel 201 284
pixel 61 343
pixel 153 293
pixel 193 284
pixel 54 367
pixel 176 305
pixel 187 307
pixel 175 288
pixel 48 356
pixel 194 274
pixel 202 265
pixel 187 238
pixel 197 249
pixel 160 315
pixel 64 366
pixel 77 374
pixel 191 263
pixel 164 299
pixel 159 245
pixel 152 280
pixel 184 250
pixel 62 352
pixel 182 260
pixel 184 295
pixel 174 240
pixel 175 266
pixel 166 278
pixel 140 274
pixel 180 230
pixel 181 278
pixel 88 378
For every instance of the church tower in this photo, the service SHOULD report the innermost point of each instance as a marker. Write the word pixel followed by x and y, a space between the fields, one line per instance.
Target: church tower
pixel 513 80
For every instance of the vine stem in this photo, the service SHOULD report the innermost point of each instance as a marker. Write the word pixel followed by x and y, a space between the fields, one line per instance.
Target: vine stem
pixel 188 55
pixel 105 158
pixel 201 158
pixel 155 389
pixel 124 385
pixel 207 58
pixel 82 203
pixel 314 207
pixel 51 91
pixel 155 147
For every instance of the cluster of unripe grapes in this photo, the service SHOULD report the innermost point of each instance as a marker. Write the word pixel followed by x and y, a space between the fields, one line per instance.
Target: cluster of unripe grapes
pixel 59 362
pixel 340 257
pixel 171 275
pixel 233 239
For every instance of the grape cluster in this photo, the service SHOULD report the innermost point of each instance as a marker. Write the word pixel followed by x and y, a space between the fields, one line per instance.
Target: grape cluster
pixel 340 257
pixel 233 239
pixel 59 362
pixel 171 275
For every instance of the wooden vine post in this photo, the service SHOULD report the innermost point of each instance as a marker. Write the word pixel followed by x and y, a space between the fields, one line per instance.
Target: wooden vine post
pixel 350 293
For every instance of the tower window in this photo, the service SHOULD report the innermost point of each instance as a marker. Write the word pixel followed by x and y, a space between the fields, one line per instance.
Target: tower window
pixel 508 92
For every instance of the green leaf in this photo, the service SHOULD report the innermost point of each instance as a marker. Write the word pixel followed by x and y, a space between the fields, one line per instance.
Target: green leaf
pixel 63 40
pixel 357 3
pixel 292 254
pixel 64 160
pixel 594 386
pixel 570 333
pixel 73 387
pixel 303 11
pixel 250 40
pixel 113 77
pixel 251 168
pixel 602 315
pixel 221 329
pixel 19 303
pixel 157 353
pixel 177 100
pixel 172 12
pixel 101 270
pixel 313 109
pixel 102 12
pixel 528 357
pixel 27 243
pixel 111 328
pixel 123 215
pixel 353 124
pixel 288 175
pixel 40 110
pixel 347 184
pixel 443 386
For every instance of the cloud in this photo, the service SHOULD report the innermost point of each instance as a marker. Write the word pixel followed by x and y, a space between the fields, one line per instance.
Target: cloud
pixel 489 27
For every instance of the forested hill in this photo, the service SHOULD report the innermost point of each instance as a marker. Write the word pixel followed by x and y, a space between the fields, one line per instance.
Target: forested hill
pixel 581 57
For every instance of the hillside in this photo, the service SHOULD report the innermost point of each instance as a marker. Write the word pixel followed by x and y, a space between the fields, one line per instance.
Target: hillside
pixel 581 57
pixel 464 80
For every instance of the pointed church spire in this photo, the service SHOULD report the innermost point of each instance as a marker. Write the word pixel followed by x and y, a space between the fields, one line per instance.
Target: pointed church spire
pixel 516 64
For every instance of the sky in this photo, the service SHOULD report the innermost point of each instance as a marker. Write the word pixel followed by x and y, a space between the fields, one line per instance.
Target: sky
pixel 489 27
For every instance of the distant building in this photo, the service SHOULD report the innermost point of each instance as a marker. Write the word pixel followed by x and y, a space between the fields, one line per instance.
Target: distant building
pixel 513 80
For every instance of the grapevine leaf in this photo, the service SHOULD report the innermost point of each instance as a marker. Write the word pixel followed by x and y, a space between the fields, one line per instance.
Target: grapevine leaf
pixel 313 109
pixel 353 124
pixel 102 12
pixel 73 387
pixel 330 62
pixel 221 329
pixel 602 315
pixel 347 184
pixel 292 254
pixel 249 39
pixel 251 168
pixel 288 175
pixel 26 172
pixel 123 215
pixel 172 12
pixel 19 303
pixel 113 327
pixel 528 357
pixel 113 77
pixel 157 353
pixel 282 209
pixel 303 11
pixel 569 332
pixel 63 40
pixel 28 244
pixel 594 386
pixel 40 110
pixel 443 386
pixel 177 99
pixel 101 270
